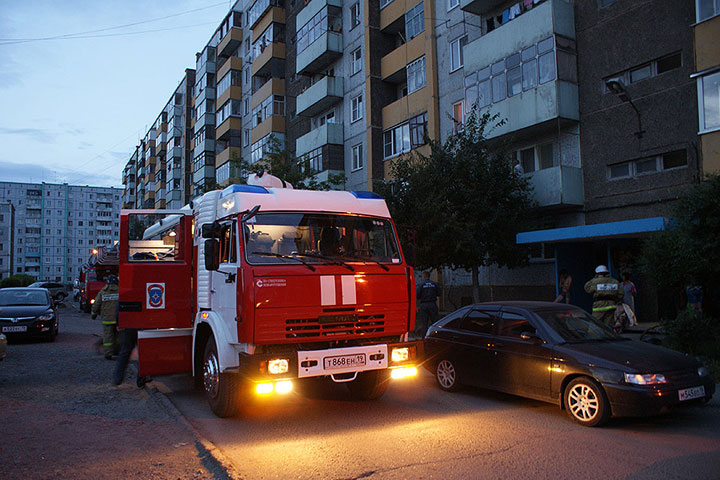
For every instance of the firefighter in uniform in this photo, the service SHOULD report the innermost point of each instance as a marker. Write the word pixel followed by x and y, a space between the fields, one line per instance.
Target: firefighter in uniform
pixel 427 294
pixel 106 304
pixel 607 294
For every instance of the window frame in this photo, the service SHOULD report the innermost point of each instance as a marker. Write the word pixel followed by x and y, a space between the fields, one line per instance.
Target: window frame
pixel 456 48
pixel 415 70
pixel 356 61
pixel 357 157
pixel 356 107
pixel 702 118
pixel 355 15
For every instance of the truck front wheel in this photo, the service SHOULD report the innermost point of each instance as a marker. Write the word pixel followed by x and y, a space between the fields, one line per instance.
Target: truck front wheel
pixel 369 385
pixel 221 389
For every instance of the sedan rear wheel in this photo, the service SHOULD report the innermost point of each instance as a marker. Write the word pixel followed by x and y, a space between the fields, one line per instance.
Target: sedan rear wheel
pixel 446 375
pixel 586 403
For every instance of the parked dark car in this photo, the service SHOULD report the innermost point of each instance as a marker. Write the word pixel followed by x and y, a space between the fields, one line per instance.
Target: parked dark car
pixel 3 346
pixel 560 354
pixel 28 312
pixel 58 291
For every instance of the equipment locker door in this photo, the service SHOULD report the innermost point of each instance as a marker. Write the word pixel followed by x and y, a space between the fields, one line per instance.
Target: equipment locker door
pixel 156 270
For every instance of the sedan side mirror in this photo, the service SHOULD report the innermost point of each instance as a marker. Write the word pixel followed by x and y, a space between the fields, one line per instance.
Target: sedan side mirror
pixel 531 337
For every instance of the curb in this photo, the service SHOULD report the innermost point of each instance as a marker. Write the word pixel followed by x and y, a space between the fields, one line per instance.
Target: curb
pixel 213 459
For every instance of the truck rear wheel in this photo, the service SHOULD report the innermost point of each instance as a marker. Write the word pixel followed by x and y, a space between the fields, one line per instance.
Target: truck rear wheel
pixel 369 385
pixel 221 389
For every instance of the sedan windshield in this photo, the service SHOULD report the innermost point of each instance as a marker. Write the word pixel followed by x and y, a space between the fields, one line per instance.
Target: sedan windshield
pixel 316 237
pixel 574 325
pixel 22 297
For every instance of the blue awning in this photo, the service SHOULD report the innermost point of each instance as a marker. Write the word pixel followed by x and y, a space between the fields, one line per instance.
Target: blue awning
pixel 599 231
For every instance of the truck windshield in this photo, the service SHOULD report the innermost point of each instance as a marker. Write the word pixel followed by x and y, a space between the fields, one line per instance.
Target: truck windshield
pixel 315 237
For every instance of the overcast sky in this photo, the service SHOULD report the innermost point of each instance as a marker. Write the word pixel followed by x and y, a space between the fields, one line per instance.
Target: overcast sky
pixel 73 109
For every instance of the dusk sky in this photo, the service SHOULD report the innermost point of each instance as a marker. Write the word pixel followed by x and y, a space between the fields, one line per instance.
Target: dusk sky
pixel 81 81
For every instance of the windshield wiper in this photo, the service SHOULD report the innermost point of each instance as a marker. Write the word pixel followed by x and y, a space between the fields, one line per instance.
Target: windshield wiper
pixel 334 260
pixel 280 255
pixel 356 257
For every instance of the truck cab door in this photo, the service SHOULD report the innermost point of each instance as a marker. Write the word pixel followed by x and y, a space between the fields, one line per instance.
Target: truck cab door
pixel 225 280
pixel 156 287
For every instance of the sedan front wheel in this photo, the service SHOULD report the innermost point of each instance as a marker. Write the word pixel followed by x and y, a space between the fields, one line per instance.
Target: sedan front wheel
pixel 586 403
pixel 446 375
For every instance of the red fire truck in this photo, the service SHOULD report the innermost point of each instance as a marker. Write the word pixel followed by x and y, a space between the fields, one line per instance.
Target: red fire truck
pixel 102 262
pixel 253 289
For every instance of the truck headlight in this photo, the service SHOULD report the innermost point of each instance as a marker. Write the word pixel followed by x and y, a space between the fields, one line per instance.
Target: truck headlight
pixel 400 354
pixel 645 379
pixel 278 366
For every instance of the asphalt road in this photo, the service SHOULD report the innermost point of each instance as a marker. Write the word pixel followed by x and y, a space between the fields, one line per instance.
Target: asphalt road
pixel 416 431
pixel 61 418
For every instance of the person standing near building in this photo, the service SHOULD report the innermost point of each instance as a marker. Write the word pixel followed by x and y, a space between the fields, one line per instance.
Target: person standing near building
pixel 427 294
pixel 629 291
pixel 106 304
pixel 564 284
pixel 607 294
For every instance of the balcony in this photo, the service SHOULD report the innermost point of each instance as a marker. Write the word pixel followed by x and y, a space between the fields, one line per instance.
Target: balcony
pixel 560 186
pixel 273 124
pixel 706 34
pixel 230 42
pixel 392 65
pixel 175 174
pixel 234 91
pixel 544 105
pixel 479 7
pixel 205 94
pixel 263 64
pixel 175 152
pixel 320 96
pixel 275 15
pixel 232 63
pixel 320 54
pixel 206 172
pixel 328 134
pixel 173 195
pixel 204 146
pixel 227 155
pixel 207 119
pixel 274 86
pixel 149 195
pixel 392 17
pixel 406 107
pixel 225 128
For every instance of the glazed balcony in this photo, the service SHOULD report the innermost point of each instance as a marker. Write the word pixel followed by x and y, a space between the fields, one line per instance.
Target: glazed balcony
pixel 560 186
pixel 320 96
pixel 328 134
pixel 230 42
pixel 320 54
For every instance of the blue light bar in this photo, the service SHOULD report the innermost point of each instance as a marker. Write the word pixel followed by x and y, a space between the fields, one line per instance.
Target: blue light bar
pixel 237 188
pixel 366 195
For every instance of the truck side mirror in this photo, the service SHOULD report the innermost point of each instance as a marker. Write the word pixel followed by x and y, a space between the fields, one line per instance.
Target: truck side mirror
pixel 212 250
pixel 209 230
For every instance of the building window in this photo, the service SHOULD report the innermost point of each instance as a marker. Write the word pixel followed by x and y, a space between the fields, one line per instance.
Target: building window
pixel 356 61
pixel 272 105
pixel 458 116
pixel 456 53
pixel 648 165
pixel 318 26
pixel 357 157
pixel 646 70
pixel 231 108
pixel 385 3
pixel 260 148
pixel 356 112
pixel 415 21
pixel 537 157
pixel 312 161
pixel 452 4
pixel 246 137
pixel 705 9
pixel 355 15
pixel 403 137
pixel 709 101
pixel 416 75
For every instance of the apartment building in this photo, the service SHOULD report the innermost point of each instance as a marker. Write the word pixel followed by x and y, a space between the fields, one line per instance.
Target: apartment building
pixel 7 239
pixel 55 226
pixel 706 32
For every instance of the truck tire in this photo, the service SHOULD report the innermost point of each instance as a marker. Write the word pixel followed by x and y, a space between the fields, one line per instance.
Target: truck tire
pixel 221 389
pixel 369 385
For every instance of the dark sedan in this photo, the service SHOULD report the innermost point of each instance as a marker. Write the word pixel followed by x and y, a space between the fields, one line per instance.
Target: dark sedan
pixel 560 354
pixel 28 312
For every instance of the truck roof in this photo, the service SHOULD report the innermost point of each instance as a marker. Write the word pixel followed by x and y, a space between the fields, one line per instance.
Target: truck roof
pixel 238 198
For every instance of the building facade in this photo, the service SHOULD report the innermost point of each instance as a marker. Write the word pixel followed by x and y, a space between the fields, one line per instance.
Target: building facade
pixel 609 128
pixel 7 239
pixel 56 226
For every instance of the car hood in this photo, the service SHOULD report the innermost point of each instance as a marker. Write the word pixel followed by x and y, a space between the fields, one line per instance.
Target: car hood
pixel 23 311
pixel 627 354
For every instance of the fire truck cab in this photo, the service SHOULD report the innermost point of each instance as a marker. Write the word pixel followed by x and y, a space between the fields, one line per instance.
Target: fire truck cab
pixel 253 289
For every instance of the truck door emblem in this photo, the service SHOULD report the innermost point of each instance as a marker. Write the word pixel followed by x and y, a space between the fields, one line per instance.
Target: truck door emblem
pixel 155 295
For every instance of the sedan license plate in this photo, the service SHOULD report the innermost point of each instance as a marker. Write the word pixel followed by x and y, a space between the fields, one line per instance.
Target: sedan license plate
pixel 344 361
pixel 690 393
pixel 17 328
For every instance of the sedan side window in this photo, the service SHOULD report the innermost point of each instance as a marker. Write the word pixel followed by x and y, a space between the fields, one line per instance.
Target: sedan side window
pixel 453 320
pixel 513 325
pixel 479 322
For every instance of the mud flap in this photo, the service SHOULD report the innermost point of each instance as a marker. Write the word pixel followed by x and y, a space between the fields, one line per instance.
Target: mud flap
pixel 163 352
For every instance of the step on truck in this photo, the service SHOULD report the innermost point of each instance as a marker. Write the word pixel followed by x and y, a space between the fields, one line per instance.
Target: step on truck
pixel 256 289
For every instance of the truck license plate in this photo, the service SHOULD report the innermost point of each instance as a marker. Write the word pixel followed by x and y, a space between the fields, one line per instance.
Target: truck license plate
pixel 690 393
pixel 18 328
pixel 344 361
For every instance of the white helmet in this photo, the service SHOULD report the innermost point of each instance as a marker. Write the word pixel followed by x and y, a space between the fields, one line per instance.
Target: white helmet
pixel 602 269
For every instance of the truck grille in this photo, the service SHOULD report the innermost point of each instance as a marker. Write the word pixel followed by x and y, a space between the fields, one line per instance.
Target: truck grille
pixel 322 327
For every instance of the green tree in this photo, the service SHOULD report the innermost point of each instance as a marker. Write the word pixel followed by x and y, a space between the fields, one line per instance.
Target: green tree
pixel 689 251
pixel 17 280
pixel 463 203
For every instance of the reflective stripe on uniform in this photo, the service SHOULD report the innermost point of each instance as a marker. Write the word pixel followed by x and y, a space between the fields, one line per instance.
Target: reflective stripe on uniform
pixel 109 323
pixel 109 296
pixel 602 309
pixel 107 344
